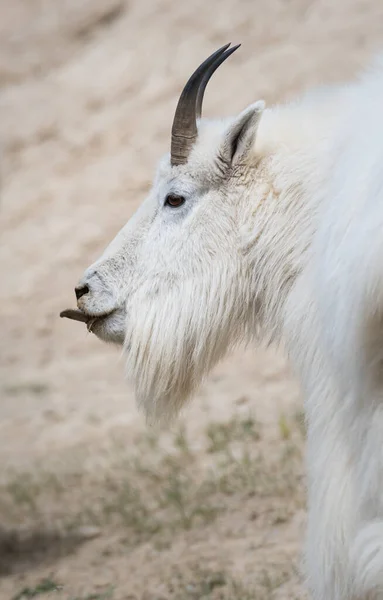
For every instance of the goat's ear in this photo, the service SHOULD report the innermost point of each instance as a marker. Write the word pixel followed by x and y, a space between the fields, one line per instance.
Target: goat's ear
pixel 240 136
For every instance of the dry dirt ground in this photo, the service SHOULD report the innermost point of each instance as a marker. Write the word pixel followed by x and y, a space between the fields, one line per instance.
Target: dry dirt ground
pixel 92 504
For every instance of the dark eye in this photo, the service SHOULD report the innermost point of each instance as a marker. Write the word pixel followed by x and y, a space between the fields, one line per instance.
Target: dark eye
pixel 174 200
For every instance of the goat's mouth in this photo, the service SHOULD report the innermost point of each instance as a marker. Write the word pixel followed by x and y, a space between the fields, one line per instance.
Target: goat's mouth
pixel 79 315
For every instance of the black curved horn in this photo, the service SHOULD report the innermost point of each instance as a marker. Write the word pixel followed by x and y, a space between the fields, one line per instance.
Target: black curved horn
pixel 208 75
pixel 184 129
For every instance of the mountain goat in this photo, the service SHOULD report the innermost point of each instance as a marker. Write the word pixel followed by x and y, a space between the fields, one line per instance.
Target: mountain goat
pixel 269 224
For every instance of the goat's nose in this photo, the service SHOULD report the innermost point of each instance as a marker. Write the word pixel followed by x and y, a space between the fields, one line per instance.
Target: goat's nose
pixel 81 291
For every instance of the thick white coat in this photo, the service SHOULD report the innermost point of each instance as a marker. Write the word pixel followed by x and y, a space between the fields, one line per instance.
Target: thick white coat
pixel 280 236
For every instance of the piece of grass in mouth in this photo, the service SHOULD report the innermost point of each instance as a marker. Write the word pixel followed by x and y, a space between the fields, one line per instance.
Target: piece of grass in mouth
pixel 75 315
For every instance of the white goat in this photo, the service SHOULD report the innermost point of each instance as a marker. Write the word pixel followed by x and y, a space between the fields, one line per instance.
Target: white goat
pixel 270 223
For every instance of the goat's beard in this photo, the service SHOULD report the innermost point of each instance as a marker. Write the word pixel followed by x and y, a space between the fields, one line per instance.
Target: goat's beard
pixel 177 333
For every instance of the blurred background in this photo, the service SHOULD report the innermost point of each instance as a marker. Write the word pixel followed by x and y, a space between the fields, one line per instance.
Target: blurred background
pixel 93 505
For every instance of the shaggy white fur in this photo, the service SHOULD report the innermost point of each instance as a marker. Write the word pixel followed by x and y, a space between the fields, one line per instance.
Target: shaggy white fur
pixel 280 235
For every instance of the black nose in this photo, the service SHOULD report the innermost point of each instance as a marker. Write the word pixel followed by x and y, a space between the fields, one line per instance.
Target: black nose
pixel 81 291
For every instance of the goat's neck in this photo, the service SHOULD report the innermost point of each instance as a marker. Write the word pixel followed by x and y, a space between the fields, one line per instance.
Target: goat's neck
pixel 291 151
pixel 279 232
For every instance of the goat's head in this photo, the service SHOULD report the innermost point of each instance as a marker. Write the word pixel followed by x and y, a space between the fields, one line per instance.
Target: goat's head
pixel 171 285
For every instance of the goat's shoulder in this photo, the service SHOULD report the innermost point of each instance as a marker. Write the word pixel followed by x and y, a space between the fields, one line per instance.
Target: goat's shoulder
pixel 348 244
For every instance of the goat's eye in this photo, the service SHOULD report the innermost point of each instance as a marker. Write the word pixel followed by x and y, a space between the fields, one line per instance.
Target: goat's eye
pixel 174 200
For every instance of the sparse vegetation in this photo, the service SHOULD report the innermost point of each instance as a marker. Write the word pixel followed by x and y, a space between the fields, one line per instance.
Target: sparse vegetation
pixel 195 584
pixel 207 584
pixel 43 587
pixel 157 493
pixel 221 435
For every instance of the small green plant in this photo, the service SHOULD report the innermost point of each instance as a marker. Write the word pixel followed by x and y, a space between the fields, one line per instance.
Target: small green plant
pixel 221 435
pixel 43 587
pixel 284 428
pixel 126 504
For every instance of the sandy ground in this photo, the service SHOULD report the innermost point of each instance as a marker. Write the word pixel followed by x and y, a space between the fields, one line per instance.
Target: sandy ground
pixel 87 93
